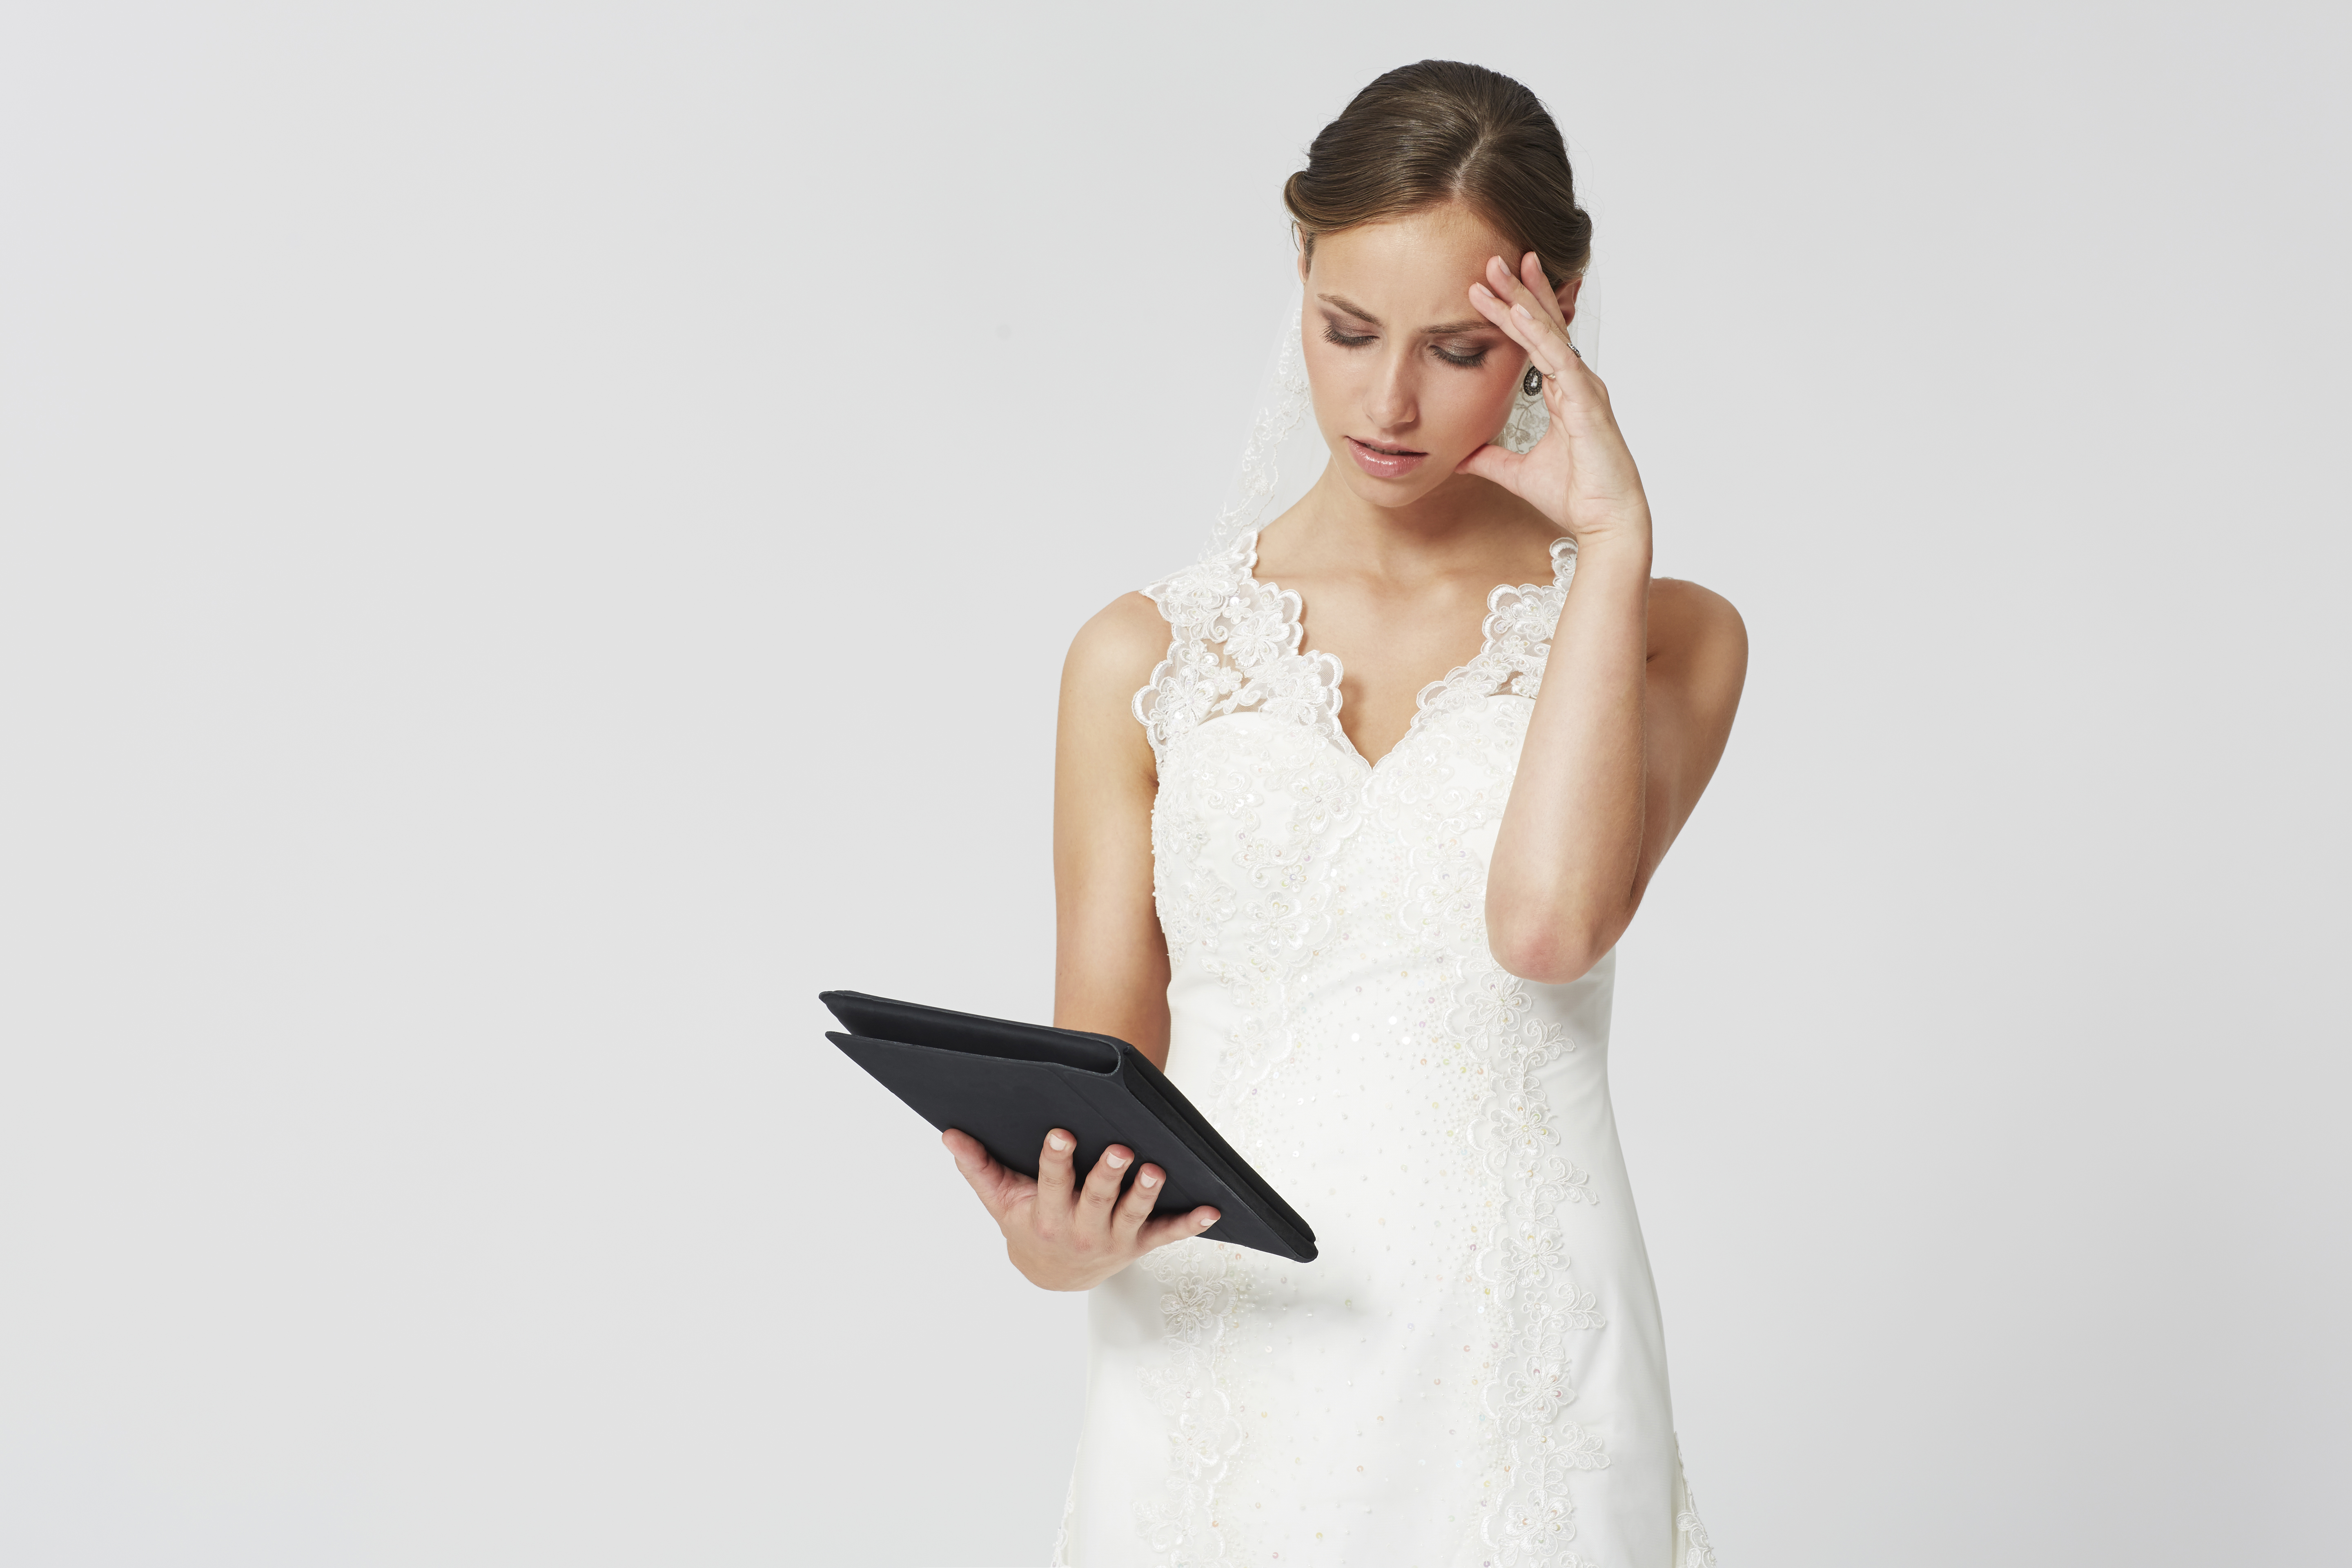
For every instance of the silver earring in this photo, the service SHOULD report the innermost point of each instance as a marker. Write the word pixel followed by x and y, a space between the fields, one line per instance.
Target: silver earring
pixel 1532 382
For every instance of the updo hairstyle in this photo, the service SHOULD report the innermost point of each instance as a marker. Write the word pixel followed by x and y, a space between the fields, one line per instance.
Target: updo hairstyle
pixel 1437 131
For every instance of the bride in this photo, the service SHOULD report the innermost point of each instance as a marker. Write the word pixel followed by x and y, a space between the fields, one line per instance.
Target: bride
pixel 1349 817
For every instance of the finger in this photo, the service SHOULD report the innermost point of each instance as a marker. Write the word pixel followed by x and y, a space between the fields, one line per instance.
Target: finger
pixel 1499 464
pixel 1552 352
pixel 1530 287
pixel 1174 1227
pixel 1543 338
pixel 1102 1187
pixel 1531 273
pixel 1513 321
pixel 997 1188
pixel 1136 1208
pixel 1055 1175
pixel 1534 315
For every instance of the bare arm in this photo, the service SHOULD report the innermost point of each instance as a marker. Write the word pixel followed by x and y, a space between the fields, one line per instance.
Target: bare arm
pixel 1110 966
pixel 1640 687
pixel 1637 707
pixel 1110 960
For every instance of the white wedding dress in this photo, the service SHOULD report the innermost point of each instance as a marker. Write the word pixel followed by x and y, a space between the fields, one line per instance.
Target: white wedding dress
pixel 1472 1372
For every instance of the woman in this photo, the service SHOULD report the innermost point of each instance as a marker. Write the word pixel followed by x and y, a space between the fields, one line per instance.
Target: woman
pixel 1345 836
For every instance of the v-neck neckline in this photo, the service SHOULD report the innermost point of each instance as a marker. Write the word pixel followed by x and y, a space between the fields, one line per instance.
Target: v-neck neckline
pixel 1563 554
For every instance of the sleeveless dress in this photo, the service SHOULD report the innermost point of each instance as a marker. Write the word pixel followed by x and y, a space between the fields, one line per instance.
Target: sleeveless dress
pixel 1471 1374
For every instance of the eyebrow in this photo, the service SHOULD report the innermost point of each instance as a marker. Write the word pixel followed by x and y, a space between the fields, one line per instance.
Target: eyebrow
pixel 1340 302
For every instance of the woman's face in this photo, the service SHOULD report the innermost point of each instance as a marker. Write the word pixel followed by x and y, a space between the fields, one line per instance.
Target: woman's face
pixel 1408 378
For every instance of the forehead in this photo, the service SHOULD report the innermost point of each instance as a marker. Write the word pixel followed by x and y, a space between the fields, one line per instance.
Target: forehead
pixel 1410 269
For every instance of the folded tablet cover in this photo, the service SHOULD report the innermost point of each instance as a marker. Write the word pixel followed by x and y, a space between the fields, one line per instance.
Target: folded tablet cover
pixel 1009 1084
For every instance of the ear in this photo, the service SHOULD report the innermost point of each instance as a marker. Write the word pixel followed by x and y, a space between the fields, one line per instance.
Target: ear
pixel 1565 294
pixel 1298 246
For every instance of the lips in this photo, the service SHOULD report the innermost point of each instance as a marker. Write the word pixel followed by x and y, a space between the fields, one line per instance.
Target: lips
pixel 1384 462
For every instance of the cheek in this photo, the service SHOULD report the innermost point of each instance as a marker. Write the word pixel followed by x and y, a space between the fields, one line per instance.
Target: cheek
pixel 1471 405
pixel 1330 375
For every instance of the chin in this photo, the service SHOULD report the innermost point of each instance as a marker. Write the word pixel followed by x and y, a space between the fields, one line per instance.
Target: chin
pixel 1391 493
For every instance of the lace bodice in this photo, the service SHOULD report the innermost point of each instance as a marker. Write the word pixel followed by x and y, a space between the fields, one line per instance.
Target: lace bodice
pixel 1471 1373
pixel 1236 648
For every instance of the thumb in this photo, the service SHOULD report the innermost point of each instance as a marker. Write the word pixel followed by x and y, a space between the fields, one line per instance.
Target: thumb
pixel 990 1180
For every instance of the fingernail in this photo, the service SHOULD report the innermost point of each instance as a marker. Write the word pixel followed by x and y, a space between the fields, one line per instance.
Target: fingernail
pixel 1208 1222
pixel 1057 1141
pixel 1148 1179
pixel 1521 312
pixel 1481 291
pixel 1118 1161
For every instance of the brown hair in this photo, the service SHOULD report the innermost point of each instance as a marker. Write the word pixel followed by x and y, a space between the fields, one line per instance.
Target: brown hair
pixel 1437 131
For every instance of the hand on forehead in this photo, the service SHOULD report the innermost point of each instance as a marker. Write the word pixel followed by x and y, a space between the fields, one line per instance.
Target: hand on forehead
pixel 1410 274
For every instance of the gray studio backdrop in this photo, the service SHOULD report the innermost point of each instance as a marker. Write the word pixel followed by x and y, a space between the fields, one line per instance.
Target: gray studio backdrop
pixel 537 538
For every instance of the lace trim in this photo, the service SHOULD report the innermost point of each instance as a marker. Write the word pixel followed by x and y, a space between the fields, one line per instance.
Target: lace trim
pixel 1516 642
pixel 1234 644
pixel 1061 1557
pixel 1250 935
pixel 1534 1448
pixel 1529 1277
pixel 1693 1550
pixel 1204 1295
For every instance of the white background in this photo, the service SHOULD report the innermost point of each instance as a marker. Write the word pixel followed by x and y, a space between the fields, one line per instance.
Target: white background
pixel 538 538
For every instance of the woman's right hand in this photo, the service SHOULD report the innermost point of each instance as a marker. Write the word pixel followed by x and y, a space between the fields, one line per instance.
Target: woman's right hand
pixel 1066 1238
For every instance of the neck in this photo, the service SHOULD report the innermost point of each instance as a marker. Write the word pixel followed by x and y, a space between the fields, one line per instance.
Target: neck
pixel 1456 518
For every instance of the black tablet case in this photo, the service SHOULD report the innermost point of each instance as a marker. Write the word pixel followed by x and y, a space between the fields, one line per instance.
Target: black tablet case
pixel 1009 1084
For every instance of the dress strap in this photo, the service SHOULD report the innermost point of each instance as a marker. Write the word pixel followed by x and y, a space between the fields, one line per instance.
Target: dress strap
pixel 1234 644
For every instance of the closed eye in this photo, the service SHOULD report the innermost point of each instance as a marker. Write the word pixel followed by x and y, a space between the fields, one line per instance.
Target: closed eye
pixel 1465 359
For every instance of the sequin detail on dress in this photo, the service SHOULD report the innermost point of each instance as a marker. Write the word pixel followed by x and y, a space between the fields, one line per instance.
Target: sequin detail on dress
pixel 1471 1374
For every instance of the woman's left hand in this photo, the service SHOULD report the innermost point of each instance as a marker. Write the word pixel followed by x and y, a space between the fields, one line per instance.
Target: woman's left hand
pixel 1580 474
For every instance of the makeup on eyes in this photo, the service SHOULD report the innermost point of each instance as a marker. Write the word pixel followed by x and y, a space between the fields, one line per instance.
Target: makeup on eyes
pixel 1459 356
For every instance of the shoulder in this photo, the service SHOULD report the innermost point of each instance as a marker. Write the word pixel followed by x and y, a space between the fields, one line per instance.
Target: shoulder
pixel 1113 663
pixel 1123 631
pixel 1684 613
pixel 1129 635
pixel 1698 633
pixel 1126 638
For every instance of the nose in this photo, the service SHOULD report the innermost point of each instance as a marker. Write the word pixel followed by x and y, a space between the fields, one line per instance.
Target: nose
pixel 1392 402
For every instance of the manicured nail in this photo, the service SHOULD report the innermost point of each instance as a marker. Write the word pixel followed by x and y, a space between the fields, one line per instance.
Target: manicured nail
pixel 1521 312
pixel 1148 1179
pixel 1482 292
pixel 1208 1222
pixel 1058 1142
pixel 1118 1161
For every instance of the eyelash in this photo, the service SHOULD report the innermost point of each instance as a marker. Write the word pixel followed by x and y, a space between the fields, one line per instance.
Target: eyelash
pixel 1332 334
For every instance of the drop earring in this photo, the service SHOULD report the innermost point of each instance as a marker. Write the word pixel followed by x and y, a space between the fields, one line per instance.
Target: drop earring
pixel 1532 382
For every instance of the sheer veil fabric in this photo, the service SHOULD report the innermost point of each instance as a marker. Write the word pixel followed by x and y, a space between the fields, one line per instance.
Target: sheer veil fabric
pixel 1472 1373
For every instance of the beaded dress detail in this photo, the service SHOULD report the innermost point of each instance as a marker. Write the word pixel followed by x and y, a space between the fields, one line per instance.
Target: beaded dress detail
pixel 1472 1373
